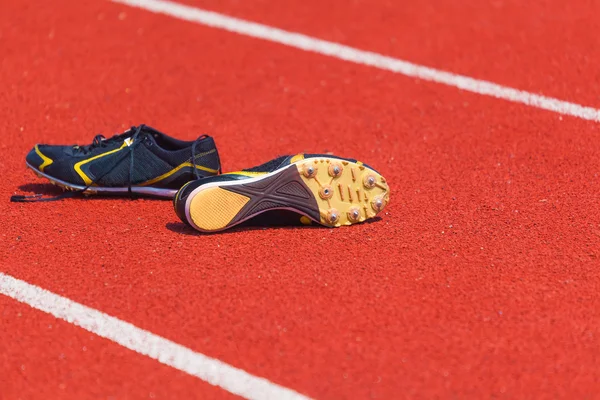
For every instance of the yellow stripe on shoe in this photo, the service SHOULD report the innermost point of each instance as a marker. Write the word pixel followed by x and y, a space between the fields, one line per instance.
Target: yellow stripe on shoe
pixel 174 170
pixel 46 160
pixel 250 174
pixel 82 174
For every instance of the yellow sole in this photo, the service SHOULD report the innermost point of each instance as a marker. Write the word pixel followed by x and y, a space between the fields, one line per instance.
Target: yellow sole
pixel 214 208
pixel 330 191
pixel 346 192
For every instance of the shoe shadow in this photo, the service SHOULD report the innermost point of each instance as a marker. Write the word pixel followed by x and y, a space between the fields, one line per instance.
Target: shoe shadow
pixel 46 189
pixel 50 190
pixel 184 229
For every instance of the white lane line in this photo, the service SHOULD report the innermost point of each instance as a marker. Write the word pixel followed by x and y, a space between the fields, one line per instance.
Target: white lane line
pixel 307 43
pixel 208 369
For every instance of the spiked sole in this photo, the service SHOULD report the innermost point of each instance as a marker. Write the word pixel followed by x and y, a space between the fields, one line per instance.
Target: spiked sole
pixel 330 191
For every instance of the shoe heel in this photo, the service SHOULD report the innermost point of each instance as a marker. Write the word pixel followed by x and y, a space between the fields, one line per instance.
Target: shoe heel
pixel 211 209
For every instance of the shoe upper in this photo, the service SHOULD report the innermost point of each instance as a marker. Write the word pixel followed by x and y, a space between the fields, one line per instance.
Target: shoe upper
pixel 158 160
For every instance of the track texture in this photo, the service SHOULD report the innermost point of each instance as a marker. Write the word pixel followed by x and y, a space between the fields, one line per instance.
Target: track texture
pixel 480 280
pixel 543 46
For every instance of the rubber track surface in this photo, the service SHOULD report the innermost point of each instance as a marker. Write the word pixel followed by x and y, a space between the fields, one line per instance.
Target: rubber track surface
pixel 480 280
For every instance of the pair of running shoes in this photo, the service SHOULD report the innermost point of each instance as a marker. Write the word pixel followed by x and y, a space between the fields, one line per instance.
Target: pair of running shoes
pixel 326 189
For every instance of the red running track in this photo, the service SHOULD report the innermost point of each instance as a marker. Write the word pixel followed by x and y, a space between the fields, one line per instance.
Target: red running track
pixel 43 357
pixel 544 46
pixel 480 280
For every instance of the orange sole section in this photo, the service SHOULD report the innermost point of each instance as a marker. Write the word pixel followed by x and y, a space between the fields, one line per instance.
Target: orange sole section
pixel 332 192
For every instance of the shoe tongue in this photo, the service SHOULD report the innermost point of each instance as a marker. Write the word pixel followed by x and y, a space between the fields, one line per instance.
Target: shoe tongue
pixel 149 129
pixel 131 131
pixel 152 133
pixel 128 134
pixel 71 150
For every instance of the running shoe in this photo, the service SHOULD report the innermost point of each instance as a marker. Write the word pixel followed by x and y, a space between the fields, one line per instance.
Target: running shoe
pixel 329 190
pixel 140 161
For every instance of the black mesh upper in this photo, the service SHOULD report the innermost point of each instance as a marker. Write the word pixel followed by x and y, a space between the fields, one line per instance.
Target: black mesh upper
pixel 56 152
pixel 146 166
pixel 151 160
pixel 63 170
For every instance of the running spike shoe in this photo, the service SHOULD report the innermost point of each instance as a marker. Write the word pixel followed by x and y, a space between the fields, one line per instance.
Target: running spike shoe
pixel 326 189
pixel 141 160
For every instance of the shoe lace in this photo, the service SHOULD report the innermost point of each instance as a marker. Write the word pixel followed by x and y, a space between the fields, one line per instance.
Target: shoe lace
pixel 101 141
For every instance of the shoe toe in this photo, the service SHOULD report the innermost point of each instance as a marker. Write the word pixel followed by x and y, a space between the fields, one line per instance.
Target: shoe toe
pixel 37 159
pixel 181 197
pixel 42 155
pixel 33 159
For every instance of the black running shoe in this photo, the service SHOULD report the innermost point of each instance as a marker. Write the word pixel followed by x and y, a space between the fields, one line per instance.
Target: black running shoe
pixel 141 161
pixel 326 189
